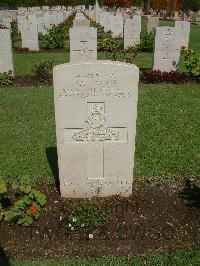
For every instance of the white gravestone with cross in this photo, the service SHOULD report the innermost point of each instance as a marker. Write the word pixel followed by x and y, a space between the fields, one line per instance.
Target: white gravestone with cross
pixel 83 44
pixel 107 22
pixel 152 23
pixel 96 111
pixel 117 26
pixel 184 32
pixel 132 30
pixel 29 34
pixel 6 57
pixel 167 49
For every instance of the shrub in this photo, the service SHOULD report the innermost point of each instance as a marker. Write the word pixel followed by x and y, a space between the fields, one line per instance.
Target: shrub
pixel 43 70
pixel 54 38
pixel 87 216
pixel 156 76
pixel 147 41
pixel 108 45
pixel 14 34
pixel 192 62
pixel 27 208
pixel 130 54
pixel 6 78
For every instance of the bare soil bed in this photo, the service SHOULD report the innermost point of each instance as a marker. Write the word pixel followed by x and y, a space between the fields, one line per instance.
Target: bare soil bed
pixel 158 216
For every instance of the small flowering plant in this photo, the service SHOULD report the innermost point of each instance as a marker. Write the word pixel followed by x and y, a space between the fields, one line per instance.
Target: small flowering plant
pixel 87 216
pixel 28 207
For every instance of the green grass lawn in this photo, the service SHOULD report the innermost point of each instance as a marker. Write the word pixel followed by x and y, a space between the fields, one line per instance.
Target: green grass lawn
pixel 172 259
pixel 168 140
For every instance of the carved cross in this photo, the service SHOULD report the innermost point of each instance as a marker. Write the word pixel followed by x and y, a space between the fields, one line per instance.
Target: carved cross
pixel 95 131
pixel 84 49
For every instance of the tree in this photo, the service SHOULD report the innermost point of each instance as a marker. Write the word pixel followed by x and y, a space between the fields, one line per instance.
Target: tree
pixel 193 5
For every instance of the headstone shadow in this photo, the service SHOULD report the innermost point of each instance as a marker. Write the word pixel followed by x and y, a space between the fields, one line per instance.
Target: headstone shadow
pixel 4 261
pixel 191 194
pixel 51 153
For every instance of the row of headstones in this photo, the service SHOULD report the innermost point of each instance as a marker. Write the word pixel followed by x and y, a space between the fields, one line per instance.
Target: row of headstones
pixel 168 40
pixel 83 42
pixel 31 25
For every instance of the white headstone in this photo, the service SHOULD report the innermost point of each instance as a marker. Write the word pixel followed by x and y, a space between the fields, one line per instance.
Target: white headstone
pixel 6 22
pixel 29 34
pixel 117 26
pixel 107 22
pixel 184 32
pixel 21 21
pixel 6 61
pixel 96 111
pixel 41 24
pixel 83 44
pixel 167 49
pixel 152 23
pixel 81 22
pixel 132 32
pixel 102 18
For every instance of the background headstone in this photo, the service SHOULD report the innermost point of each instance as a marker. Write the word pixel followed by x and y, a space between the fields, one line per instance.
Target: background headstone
pixel 6 60
pixel 29 34
pixel 167 49
pixel 184 32
pixel 152 23
pixel 83 44
pixel 131 33
pixel 117 26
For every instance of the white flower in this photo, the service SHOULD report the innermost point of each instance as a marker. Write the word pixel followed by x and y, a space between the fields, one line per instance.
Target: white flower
pixel 70 225
pixel 72 228
pixel 91 236
pixel 60 218
pixel 82 225
pixel 74 220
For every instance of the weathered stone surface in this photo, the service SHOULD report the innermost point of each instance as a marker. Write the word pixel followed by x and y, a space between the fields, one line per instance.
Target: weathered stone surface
pixel 132 29
pixel 29 34
pixel 6 60
pixel 184 32
pixel 83 44
pixel 167 49
pixel 117 26
pixel 107 22
pixel 96 111
pixel 152 23
pixel 81 22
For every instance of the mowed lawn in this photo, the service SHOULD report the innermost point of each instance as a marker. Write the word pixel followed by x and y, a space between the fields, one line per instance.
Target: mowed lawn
pixel 168 139
pixel 24 62
pixel 172 259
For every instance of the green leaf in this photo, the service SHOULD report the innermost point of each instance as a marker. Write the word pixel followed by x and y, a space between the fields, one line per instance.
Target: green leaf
pixel 25 184
pixel 15 184
pixel 39 197
pixel 3 188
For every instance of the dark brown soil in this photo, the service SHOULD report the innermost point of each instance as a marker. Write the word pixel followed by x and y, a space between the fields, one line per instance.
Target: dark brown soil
pixel 29 81
pixel 55 50
pixel 157 217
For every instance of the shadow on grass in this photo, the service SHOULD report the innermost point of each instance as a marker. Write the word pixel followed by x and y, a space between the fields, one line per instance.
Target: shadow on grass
pixel 191 194
pixel 51 153
pixel 4 261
